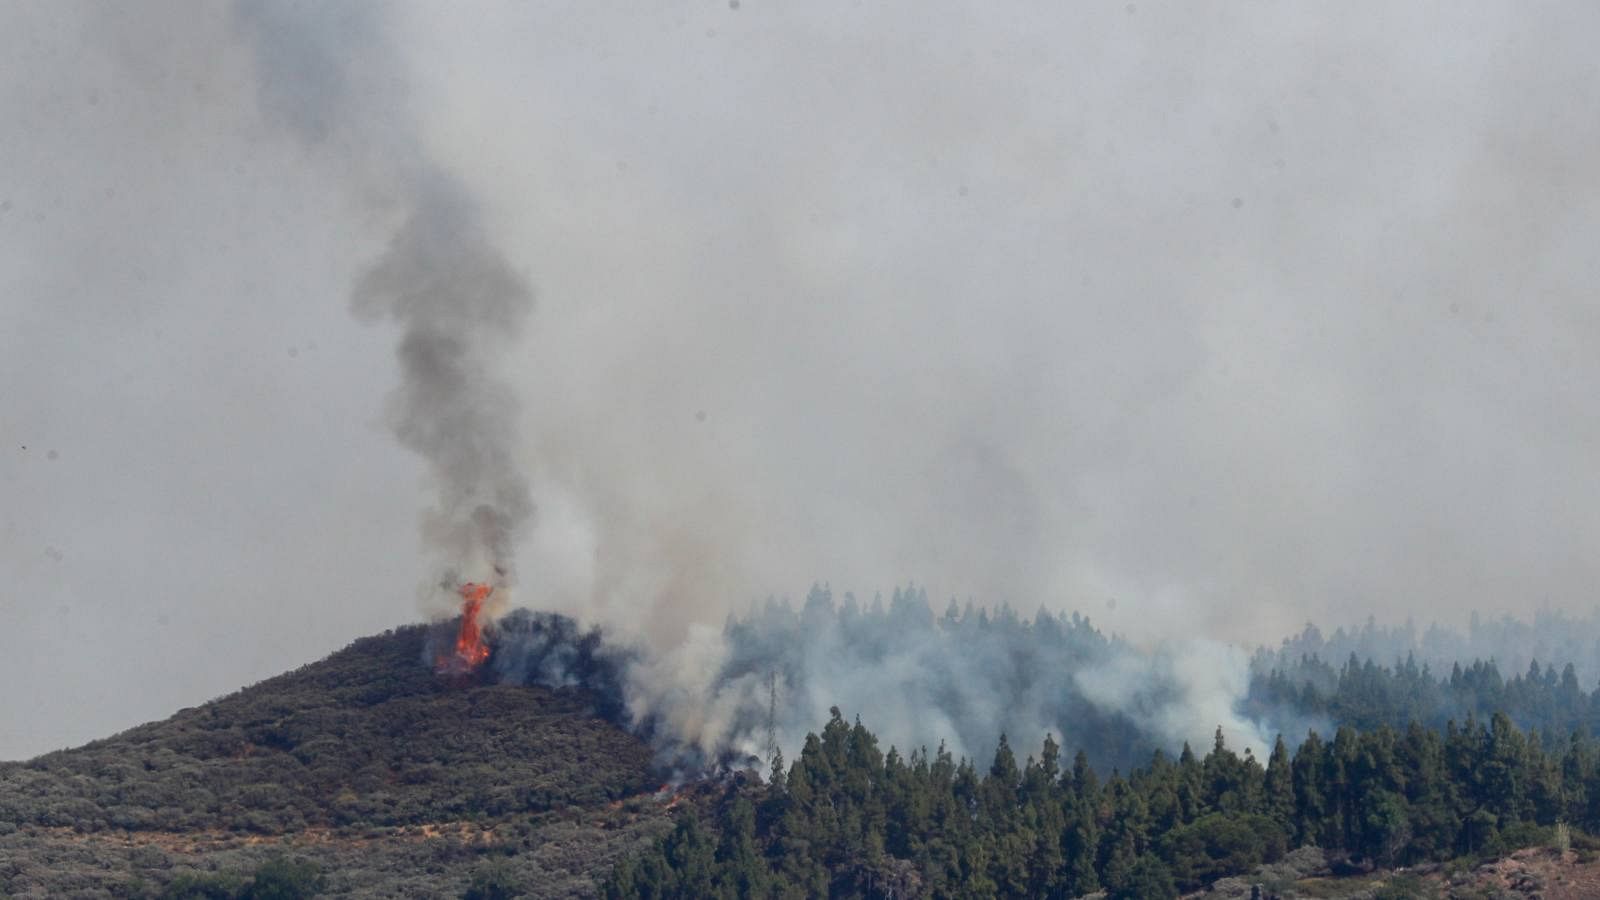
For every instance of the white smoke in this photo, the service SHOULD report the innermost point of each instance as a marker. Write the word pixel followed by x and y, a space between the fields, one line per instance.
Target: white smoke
pixel 962 680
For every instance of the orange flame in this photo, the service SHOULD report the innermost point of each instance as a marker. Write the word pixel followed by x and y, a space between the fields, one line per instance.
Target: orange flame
pixel 471 649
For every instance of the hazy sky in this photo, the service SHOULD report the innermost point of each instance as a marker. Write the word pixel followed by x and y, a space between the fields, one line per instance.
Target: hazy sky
pixel 1200 318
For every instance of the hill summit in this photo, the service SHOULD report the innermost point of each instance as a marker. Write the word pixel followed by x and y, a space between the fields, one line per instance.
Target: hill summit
pixel 392 780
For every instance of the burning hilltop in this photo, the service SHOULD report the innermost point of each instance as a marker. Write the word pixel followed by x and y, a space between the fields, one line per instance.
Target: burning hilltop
pixel 471 647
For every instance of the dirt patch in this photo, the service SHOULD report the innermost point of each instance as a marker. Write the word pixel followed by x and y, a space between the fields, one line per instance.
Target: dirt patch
pixel 1527 873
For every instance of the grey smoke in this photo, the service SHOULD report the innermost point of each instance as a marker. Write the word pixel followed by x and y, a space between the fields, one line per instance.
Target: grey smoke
pixel 325 74
pixel 459 304
pixel 960 680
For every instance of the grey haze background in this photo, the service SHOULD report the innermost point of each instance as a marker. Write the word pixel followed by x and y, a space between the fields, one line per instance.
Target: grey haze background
pixel 1202 320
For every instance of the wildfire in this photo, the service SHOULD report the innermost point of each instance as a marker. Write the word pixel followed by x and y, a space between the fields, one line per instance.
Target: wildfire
pixel 471 649
pixel 668 792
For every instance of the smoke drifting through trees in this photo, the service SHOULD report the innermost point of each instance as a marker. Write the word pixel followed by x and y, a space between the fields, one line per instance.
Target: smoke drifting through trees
pixel 958 680
pixel 964 678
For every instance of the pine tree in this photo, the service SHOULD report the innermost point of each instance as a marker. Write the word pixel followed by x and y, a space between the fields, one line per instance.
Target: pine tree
pixel 1050 759
pixel 1191 778
pixel 740 870
pixel 1279 787
pixel 1310 794
pixel 1080 842
pixel 1000 788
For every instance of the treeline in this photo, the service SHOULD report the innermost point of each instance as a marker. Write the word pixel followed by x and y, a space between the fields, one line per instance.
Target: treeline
pixel 1365 695
pixel 1513 643
pixel 848 820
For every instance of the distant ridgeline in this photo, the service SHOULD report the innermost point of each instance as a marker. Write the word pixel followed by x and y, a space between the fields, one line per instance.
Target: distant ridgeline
pixel 1550 638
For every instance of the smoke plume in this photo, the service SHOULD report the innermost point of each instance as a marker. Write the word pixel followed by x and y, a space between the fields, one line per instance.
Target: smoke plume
pixel 326 74
pixel 458 303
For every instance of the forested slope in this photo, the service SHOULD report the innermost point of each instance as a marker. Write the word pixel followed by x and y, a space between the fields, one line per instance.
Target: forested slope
pixel 381 778
pixel 848 819
pixel 390 779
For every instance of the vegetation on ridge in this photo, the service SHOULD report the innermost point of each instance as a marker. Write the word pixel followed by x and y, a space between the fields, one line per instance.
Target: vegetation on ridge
pixel 392 781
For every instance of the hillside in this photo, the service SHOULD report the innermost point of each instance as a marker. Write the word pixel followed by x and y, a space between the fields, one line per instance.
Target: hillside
pixel 393 781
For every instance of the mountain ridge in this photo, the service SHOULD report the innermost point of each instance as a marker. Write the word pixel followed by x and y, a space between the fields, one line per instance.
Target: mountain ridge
pixel 391 779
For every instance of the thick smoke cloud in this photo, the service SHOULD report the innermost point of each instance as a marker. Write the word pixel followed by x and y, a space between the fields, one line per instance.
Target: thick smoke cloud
pixel 1204 325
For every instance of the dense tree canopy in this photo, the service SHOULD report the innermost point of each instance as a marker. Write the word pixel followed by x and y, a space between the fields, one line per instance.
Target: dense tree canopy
pixel 1364 694
pixel 848 819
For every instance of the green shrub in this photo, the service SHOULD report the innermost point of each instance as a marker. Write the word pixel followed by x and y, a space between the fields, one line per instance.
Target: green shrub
pixel 493 882
pixel 203 886
pixel 280 878
pixel 1404 887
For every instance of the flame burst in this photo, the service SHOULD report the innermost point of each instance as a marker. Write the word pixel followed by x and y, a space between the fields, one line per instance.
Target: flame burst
pixel 470 649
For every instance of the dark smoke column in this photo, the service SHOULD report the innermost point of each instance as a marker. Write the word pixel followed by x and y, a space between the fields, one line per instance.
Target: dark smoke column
pixel 458 304
pixel 328 78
